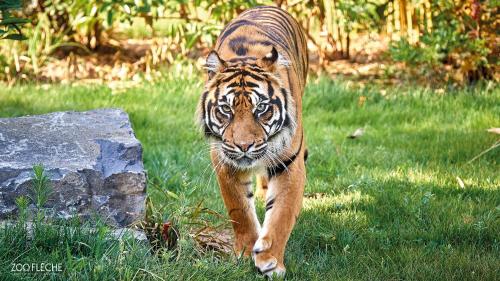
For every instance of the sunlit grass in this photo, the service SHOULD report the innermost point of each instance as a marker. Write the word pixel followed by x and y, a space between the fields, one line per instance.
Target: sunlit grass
pixel 385 206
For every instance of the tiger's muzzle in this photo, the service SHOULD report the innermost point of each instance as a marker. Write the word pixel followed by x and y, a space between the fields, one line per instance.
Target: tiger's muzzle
pixel 244 154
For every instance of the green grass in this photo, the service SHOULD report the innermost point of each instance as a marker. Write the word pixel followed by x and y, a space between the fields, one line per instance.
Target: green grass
pixel 386 206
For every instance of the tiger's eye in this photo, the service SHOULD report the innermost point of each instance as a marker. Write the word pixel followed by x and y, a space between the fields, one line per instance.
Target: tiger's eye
pixel 261 107
pixel 225 108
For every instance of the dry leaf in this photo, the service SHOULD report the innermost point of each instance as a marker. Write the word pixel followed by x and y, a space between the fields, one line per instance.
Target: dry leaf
pixel 358 133
pixel 494 131
pixel 218 240
pixel 460 182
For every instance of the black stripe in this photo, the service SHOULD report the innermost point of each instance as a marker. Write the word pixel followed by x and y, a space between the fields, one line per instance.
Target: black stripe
pixel 260 29
pixel 276 28
pixel 278 103
pixel 269 204
pixel 243 59
pixel 256 69
pixel 270 89
pixel 269 20
pixel 232 27
pixel 253 75
pixel 277 25
pixel 251 84
pixel 233 85
pixel 262 97
pixel 276 170
pixel 243 73
pixel 283 92
pixel 234 75
pixel 237 45
pixel 217 92
pixel 285 23
pixel 297 33
pixel 203 101
pixel 286 123
pixel 280 13
pixel 208 132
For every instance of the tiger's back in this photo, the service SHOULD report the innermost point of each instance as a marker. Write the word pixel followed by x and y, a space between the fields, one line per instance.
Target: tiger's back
pixel 253 33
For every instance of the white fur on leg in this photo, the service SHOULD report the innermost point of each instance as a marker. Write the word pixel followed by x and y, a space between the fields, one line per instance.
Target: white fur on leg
pixel 276 272
pixel 261 245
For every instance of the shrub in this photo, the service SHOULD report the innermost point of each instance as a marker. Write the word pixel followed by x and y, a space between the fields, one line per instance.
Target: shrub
pixel 459 48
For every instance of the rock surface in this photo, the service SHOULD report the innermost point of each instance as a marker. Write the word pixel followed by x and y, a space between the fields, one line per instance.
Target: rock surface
pixel 92 158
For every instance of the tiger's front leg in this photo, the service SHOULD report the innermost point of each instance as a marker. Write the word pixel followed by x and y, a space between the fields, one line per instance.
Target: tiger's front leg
pixel 236 189
pixel 283 204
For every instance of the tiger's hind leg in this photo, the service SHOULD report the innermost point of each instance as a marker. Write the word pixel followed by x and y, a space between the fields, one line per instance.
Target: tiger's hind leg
pixel 262 185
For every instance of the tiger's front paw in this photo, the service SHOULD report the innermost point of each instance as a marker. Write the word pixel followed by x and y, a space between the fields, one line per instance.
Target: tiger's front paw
pixel 268 265
pixel 261 245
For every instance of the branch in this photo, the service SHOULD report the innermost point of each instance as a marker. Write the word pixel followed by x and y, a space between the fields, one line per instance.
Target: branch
pixel 495 145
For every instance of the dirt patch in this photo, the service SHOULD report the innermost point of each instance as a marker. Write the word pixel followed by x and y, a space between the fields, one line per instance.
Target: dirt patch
pixel 131 61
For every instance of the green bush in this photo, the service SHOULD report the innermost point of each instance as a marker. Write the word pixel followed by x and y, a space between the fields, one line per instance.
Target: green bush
pixel 460 47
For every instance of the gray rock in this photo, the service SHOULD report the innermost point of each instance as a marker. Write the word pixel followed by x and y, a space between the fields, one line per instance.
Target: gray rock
pixel 92 158
pixel 118 233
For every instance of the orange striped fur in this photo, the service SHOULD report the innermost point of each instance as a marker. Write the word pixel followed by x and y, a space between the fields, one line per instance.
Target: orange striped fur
pixel 251 112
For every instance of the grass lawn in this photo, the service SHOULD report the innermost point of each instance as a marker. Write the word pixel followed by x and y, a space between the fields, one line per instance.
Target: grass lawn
pixel 386 206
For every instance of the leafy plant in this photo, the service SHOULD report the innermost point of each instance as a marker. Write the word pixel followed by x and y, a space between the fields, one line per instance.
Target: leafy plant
pixel 10 26
pixel 22 204
pixel 460 47
pixel 41 188
pixel 161 233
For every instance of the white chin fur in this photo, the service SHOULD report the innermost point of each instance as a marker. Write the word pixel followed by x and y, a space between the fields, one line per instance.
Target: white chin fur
pixel 276 146
pixel 256 164
pixel 281 141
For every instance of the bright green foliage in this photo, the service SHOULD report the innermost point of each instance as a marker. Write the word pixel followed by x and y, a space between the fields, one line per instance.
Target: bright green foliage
pixel 88 21
pixel 22 204
pixel 361 15
pixel 189 24
pixel 40 189
pixel 385 206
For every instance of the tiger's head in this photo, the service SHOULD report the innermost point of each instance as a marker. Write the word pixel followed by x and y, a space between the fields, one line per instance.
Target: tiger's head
pixel 246 111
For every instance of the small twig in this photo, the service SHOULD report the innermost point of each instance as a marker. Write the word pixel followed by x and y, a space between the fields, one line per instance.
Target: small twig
pixel 495 145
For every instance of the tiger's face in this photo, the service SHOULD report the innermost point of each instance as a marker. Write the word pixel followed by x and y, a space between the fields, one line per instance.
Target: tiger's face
pixel 246 111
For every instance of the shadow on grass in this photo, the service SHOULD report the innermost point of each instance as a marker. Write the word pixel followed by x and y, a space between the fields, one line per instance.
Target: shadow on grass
pixel 397 229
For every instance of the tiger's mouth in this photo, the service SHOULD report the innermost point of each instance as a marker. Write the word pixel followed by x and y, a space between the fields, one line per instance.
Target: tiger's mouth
pixel 246 159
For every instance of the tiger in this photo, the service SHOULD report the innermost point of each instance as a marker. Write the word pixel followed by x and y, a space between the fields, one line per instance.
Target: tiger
pixel 251 113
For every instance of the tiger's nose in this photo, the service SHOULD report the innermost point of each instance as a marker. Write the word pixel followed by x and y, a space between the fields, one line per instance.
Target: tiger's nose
pixel 244 146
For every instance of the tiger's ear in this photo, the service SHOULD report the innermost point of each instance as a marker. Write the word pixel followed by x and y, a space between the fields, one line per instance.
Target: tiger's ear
pixel 272 60
pixel 214 64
